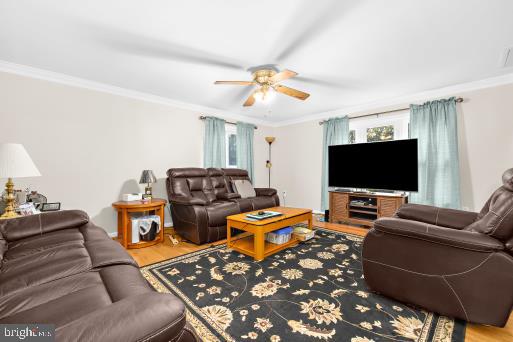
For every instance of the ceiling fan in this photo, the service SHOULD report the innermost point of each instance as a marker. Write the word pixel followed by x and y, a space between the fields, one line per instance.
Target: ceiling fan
pixel 267 80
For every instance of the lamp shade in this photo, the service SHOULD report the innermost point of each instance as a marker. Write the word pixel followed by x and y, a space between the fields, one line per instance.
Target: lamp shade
pixel 147 176
pixel 15 162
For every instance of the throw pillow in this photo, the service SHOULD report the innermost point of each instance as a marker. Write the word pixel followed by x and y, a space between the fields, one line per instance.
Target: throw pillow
pixel 244 188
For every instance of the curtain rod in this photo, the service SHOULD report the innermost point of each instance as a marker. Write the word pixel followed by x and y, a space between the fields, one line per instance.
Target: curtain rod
pixel 228 122
pixel 458 100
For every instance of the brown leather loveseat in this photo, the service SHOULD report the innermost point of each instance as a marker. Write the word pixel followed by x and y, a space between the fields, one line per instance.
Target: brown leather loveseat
pixel 453 262
pixel 202 198
pixel 58 268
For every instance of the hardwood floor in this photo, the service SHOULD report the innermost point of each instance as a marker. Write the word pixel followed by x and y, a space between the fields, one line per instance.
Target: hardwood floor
pixel 166 250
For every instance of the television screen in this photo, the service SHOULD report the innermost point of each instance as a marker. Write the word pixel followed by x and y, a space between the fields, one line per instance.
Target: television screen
pixel 387 165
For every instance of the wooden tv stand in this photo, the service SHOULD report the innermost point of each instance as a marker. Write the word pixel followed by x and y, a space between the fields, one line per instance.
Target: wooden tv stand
pixel 363 208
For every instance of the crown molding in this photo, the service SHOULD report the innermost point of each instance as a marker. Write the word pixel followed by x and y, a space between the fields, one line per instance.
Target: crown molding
pixel 46 75
pixel 453 90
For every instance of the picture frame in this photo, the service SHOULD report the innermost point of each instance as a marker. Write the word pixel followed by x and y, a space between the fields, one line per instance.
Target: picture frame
pixel 28 209
pixel 50 206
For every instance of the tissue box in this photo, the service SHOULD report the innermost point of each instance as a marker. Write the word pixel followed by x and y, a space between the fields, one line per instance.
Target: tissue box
pixel 131 197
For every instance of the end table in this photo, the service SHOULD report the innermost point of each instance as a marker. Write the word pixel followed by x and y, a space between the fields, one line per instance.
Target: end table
pixel 125 208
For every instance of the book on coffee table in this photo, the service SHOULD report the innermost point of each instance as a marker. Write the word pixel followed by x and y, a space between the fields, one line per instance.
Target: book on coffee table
pixel 264 215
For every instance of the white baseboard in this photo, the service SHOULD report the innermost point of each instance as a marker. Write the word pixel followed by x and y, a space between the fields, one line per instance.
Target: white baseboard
pixel 113 234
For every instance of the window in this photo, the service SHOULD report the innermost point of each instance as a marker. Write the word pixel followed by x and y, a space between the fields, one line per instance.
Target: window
pixel 382 133
pixel 379 128
pixel 231 145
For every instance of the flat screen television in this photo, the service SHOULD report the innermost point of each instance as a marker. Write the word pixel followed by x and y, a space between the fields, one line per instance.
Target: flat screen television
pixel 387 165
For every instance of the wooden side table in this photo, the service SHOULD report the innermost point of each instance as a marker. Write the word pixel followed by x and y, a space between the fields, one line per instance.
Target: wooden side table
pixel 125 208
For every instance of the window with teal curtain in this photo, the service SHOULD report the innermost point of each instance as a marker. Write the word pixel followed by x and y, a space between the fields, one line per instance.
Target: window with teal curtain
pixel 335 132
pixel 434 124
pixel 245 159
pixel 214 144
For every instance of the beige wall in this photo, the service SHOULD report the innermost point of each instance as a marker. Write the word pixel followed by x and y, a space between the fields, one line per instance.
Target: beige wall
pixel 91 147
pixel 485 146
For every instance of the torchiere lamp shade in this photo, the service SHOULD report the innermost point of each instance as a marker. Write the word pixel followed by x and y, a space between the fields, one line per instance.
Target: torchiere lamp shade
pixel 147 177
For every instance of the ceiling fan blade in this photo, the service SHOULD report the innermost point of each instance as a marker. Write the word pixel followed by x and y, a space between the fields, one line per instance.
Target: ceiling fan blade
pixel 243 83
pixel 291 92
pixel 146 46
pixel 283 75
pixel 314 21
pixel 251 99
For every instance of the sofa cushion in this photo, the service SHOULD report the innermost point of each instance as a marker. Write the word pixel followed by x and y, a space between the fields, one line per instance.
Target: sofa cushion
pixel 65 300
pixel 245 204
pixel 262 202
pixel 496 218
pixel 244 188
pixel 26 226
pixel 218 210
pixel 41 259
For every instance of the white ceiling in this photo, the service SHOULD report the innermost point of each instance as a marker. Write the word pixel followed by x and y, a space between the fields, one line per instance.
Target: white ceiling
pixel 347 53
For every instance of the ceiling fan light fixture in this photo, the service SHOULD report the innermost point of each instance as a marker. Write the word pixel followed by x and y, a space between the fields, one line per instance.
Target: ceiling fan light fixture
pixel 265 95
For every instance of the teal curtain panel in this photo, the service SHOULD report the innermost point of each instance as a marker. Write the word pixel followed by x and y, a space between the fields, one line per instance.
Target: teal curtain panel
pixel 245 157
pixel 434 124
pixel 214 147
pixel 335 132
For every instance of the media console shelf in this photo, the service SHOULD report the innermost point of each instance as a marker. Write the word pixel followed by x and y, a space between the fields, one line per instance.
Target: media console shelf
pixel 363 208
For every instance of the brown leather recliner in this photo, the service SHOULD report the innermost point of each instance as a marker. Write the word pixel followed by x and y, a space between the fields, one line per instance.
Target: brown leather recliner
pixel 58 268
pixel 452 262
pixel 202 198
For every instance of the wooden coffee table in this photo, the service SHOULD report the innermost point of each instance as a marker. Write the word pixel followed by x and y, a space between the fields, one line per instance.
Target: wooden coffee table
pixel 255 245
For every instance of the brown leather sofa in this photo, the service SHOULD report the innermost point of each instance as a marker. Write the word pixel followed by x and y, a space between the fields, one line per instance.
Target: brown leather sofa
pixel 202 198
pixel 58 268
pixel 453 262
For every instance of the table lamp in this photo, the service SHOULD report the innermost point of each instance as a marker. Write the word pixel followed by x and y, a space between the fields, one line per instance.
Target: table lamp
pixel 147 177
pixel 15 162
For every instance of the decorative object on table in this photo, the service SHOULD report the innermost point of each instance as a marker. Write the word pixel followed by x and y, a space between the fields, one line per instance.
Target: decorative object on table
pixel 50 206
pixel 28 209
pixel 268 163
pixel 20 197
pixel 37 198
pixel 322 278
pixel 262 215
pixel 15 162
pixel 154 206
pixel 145 228
pixel 132 197
pixel 147 177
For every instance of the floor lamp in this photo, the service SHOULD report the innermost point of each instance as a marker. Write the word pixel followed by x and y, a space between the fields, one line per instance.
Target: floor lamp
pixel 268 163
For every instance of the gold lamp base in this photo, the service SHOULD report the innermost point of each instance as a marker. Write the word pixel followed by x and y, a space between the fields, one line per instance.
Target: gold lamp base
pixel 9 209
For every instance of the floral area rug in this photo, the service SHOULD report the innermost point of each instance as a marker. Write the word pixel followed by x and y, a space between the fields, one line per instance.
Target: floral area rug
pixel 312 292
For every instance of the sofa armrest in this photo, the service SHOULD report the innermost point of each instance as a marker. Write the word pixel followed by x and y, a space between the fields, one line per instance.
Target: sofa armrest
pixel 228 196
pixel 265 191
pixel 440 235
pixel 187 200
pixel 445 217
pixel 26 226
pixel 150 316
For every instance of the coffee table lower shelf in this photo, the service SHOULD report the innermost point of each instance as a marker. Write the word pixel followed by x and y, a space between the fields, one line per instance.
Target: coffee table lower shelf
pixel 246 245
